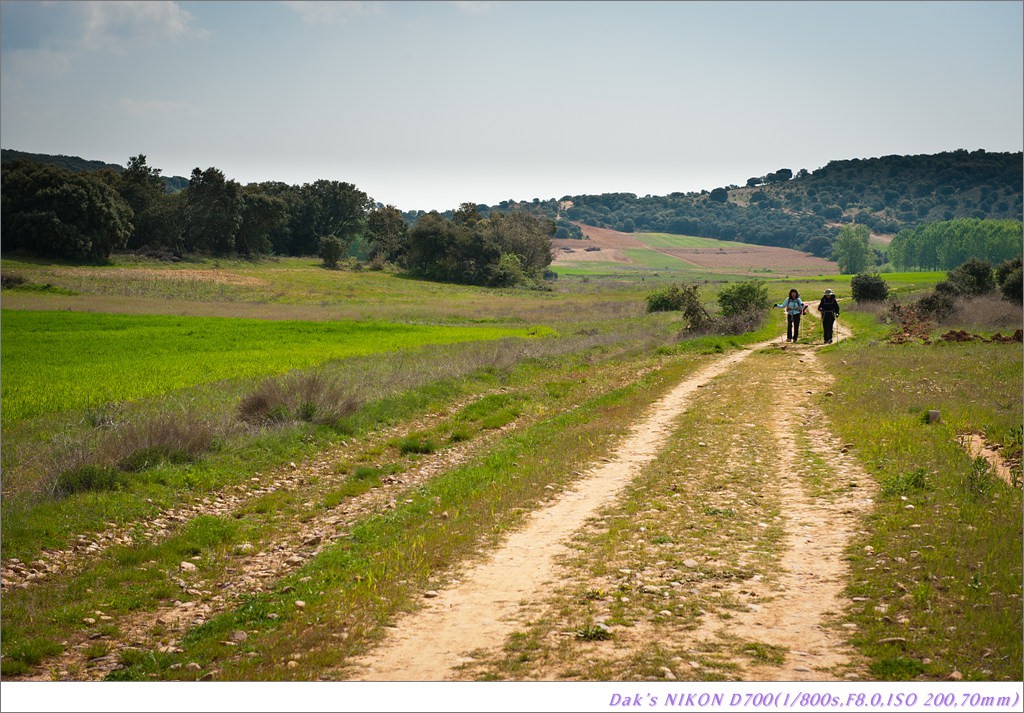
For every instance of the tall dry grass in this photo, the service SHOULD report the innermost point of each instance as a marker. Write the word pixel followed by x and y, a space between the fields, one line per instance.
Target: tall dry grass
pixel 315 396
pixel 987 313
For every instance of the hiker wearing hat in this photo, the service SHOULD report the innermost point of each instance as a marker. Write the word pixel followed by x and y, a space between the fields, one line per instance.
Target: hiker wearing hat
pixel 794 307
pixel 829 308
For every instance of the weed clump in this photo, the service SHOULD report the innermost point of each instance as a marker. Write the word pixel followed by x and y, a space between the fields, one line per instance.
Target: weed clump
pixel 313 397
pixel 593 632
pixel 88 478
pixel 978 480
pixel 416 444
pixel 161 438
pixel 154 455
pixel 896 669
pixel 906 482
pixel 131 447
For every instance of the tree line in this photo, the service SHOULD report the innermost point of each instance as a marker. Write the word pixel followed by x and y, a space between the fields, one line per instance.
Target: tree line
pixel 946 244
pixel 50 211
pixel 56 212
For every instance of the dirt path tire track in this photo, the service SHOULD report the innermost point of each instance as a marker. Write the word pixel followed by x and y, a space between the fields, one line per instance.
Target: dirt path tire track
pixel 486 605
pixel 259 569
pixel 809 592
pixel 224 500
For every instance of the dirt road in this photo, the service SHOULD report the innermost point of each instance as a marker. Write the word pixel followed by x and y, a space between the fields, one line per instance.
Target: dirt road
pixel 462 629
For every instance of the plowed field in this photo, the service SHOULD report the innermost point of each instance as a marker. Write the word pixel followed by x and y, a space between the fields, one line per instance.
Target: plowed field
pixel 713 255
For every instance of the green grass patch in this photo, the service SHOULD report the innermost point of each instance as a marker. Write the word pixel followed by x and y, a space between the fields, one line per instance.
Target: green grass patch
pixel 938 566
pixel 654 260
pixel 764 653
pixel 667 240
pixel 55 361
pixel 416 443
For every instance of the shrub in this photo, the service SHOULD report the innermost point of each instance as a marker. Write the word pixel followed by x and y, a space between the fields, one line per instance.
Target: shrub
pixel 1012 288
pixel 974 277
pixel 939 304
pixel 727 326
pixel 1006 268
pixel 868 288
pixel 11 280
pixel 331 251
pixel 669 299
pixel 743 297
pixel 680 298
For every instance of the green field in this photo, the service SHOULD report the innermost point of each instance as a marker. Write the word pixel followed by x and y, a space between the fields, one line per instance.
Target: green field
pixel 56 361
pixel 666 240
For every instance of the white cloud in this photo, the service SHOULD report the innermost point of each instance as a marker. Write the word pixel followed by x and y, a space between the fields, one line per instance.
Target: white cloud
pixel 317 12
pixel 120 26
pixel 56 36
pixel 157 108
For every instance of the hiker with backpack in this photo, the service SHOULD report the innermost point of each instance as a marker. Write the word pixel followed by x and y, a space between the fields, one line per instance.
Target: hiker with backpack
pixel 829 309
pixel 794 307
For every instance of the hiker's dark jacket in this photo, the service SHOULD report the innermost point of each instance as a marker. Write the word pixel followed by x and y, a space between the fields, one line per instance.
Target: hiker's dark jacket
pixel 829 304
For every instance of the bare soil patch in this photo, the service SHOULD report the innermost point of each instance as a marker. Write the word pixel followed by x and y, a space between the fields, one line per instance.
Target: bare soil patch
pixel 978 447
pixel 609 245
pixel 733 257
pixel 761 257
pixel 610 239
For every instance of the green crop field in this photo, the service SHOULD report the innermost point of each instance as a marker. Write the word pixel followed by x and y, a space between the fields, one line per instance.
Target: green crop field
pixel 55 361
pixel 666 240
pixel 659 261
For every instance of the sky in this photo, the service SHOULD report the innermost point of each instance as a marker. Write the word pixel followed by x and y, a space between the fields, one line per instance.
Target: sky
pixel 426 105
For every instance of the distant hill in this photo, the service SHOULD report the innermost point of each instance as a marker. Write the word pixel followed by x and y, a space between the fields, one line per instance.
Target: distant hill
pixel 76 164
pixel 804 210
pixel 895 192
